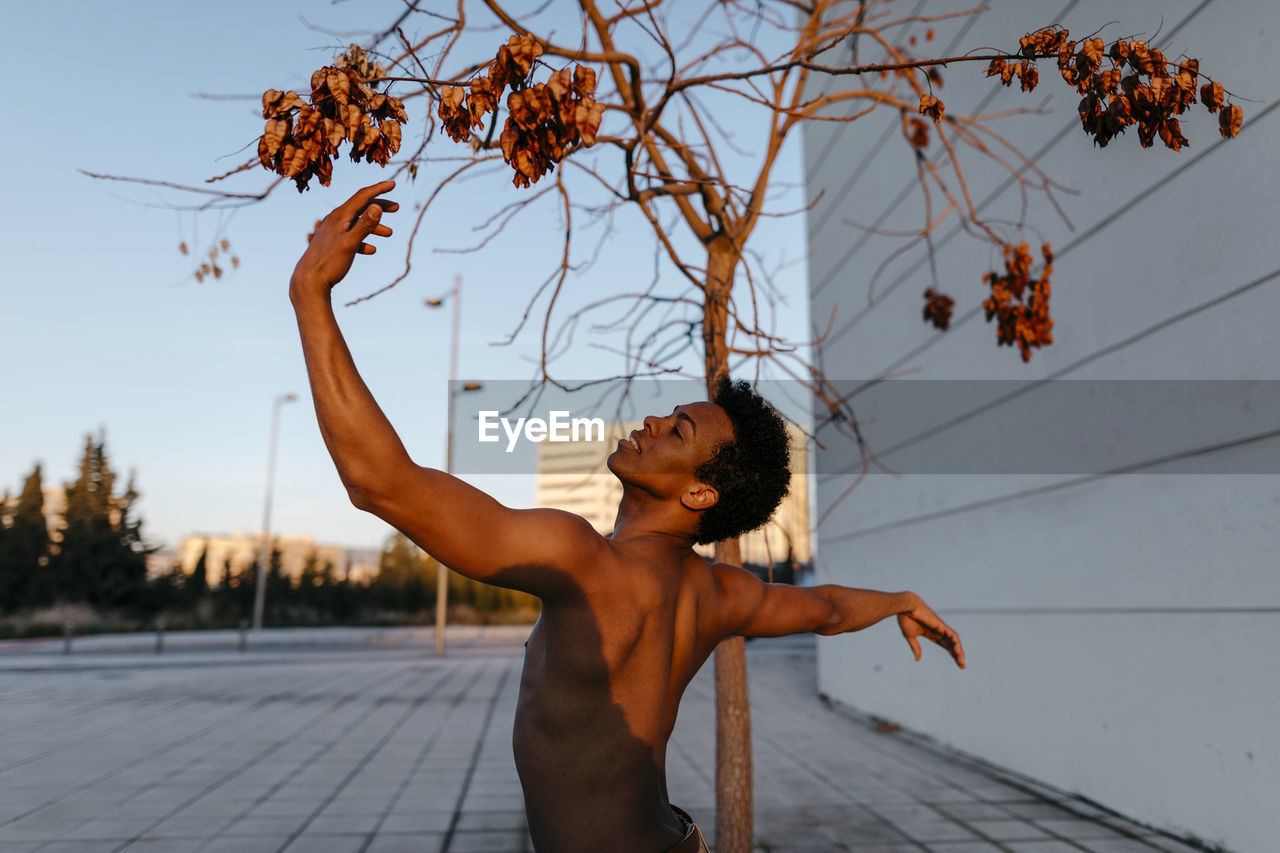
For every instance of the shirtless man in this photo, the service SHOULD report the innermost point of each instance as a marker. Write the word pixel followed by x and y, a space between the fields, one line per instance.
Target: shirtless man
pixel 626 620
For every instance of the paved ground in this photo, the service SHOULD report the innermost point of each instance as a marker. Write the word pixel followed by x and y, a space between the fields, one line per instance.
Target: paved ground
pixel 364 741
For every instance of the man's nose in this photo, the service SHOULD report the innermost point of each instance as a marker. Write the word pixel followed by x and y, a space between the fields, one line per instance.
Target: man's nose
pixel 652 424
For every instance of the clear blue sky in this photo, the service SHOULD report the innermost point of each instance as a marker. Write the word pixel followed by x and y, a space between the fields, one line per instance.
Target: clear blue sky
pixel 103 326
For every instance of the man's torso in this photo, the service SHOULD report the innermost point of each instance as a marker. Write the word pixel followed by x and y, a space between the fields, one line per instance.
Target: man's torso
pixel 603 675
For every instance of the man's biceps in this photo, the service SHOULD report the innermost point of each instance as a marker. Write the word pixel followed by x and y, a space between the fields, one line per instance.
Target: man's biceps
pixel 778 611
pixel 744 596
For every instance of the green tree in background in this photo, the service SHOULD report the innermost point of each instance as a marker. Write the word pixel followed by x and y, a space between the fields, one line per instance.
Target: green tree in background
pixel 197 583
pixel 24 550
pixel 8 598
pixel 102 558
pixel 406 578
pixel 310 595
pixel 280 591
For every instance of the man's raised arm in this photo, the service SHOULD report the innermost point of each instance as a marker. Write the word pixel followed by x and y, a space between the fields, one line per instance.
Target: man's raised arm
pixel 754 608
pixel 458 524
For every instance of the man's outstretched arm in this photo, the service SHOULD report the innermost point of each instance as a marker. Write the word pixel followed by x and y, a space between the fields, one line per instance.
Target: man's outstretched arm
pixel 756 609
pixel 458 524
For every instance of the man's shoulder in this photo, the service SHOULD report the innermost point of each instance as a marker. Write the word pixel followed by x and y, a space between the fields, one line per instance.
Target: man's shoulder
pixel 558 522
pixel 729 575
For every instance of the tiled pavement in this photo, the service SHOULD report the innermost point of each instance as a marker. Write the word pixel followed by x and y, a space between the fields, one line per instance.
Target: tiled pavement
pixel 363 741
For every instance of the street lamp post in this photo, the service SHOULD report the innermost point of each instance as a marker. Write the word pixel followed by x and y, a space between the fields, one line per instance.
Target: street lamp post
pixel 442 573
pixel 260 584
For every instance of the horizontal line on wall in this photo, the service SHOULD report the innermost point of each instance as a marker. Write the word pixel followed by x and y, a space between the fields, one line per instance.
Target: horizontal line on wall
pixel 1091 231
pixel 1070 368
pixel 1052 487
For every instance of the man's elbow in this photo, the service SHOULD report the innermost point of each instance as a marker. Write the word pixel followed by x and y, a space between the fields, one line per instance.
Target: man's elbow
pixel 832 620
pixel 363 498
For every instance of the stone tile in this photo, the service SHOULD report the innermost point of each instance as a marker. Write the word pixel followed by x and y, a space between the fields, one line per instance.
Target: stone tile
pixel 25 831
pixel 264 826
pixel 963 847
pixel 937 830
pixel 283 808
pixel 414 842
pixel 487 842
pixel 977 811
pixel 1119 845
pixel 785 837
pixel 1052 846
pixel 862 832
pixel 397 822
pixel 1039 809
pixel 224 808
pixel 347 824
pixel 188 827
pixel 165 845
pixel 906 812
pixel 316 843
pixel 356 807
pixel 484 803
pixel 492 821
pixel 110 829
pixel 144 808
pixel 67 847
pixel 245 844
pixel 1007 830
pixel 1078 829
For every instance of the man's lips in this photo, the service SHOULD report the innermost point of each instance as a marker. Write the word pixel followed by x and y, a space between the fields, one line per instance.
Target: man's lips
pixel 631 441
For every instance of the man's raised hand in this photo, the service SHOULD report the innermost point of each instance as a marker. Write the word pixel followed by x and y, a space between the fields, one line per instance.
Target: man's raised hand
pixel 921 621
pixel 340 237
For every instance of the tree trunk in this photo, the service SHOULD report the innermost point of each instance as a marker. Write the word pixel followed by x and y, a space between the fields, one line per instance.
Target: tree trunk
pixel 733 736
pixel 734 832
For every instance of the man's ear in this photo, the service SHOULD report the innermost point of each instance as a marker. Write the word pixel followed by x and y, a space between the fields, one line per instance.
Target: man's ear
pixel 700 497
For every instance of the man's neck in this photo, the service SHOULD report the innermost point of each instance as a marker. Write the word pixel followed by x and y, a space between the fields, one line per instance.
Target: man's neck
pixel 641 516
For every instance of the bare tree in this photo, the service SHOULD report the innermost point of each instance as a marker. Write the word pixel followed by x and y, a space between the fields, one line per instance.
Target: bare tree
pixel 648 136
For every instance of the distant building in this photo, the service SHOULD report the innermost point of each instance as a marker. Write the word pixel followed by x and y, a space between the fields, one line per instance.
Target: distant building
pixel 55 503
pixel 238 550
pixel 572 476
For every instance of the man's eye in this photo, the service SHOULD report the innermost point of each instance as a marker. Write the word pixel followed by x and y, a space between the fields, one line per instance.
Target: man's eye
pixel 676 430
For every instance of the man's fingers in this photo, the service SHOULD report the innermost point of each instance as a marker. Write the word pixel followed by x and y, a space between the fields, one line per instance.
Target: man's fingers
pixel 353 214
pixel 915 646
pixel 951 642
pixel 362 198
pixel 366 249
pixel 361 219
pixel 366 223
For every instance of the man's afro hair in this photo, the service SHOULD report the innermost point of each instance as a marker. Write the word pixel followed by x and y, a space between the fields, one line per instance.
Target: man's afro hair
pixel 751 472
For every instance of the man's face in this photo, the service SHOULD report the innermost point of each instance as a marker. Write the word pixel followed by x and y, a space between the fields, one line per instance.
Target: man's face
pixel 663 456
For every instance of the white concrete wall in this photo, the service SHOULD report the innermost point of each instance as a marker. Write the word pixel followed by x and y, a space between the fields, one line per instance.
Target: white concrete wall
pixel 1122 631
